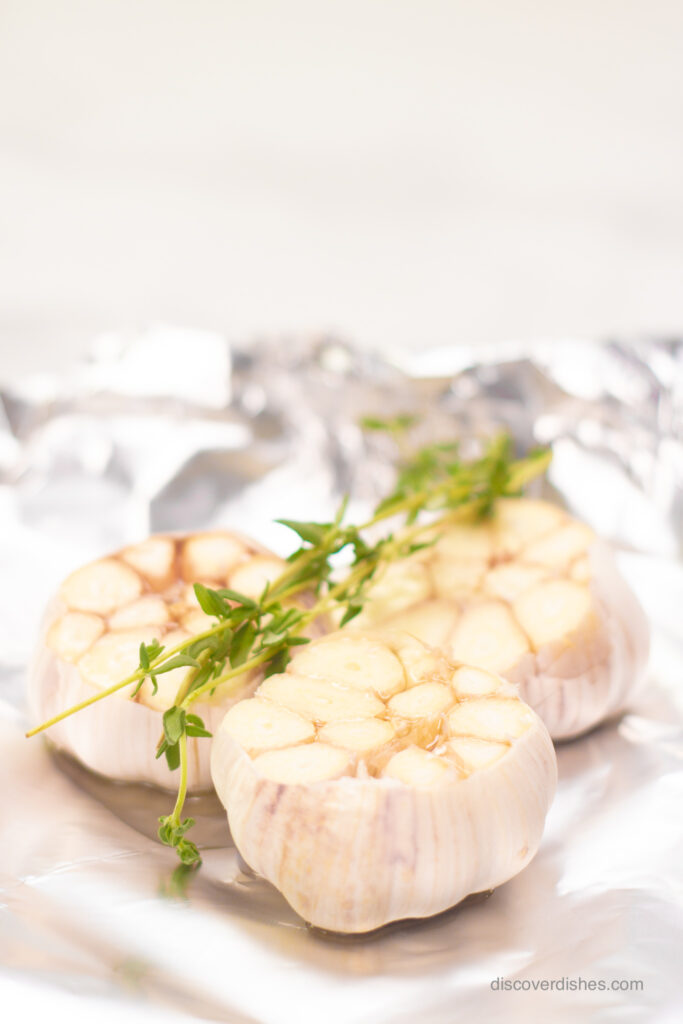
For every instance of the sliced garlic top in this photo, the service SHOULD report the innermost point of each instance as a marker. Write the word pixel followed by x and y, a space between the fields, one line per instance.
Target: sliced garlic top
pixel 367 794
pixel 530 593
pixel 92 635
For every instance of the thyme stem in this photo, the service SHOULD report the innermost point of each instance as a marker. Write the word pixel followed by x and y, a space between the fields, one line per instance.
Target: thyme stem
pixel 182 785
pixel 252 634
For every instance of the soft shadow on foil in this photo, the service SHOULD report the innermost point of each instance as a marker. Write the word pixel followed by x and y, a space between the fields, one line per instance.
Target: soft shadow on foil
pixel 243 893
pixel 89 461
pixel 140 806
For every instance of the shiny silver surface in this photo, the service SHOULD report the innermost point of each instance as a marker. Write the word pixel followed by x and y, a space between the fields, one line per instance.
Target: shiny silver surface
pixel 172 430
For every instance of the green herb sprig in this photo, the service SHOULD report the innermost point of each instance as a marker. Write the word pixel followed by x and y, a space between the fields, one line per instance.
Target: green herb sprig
pixel 258 635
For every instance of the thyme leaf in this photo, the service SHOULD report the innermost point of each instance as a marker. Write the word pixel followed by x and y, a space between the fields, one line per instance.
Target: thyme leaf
pixel 251 635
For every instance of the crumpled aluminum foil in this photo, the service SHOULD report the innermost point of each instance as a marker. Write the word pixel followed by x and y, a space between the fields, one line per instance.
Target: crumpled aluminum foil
pixel 176 430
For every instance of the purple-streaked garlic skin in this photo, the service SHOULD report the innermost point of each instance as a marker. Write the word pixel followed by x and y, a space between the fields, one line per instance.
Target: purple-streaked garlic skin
pixel 375 780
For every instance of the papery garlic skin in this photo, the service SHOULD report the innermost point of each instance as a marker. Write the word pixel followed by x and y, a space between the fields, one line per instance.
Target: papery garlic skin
pixel 400 812
pixel 90 639
pixel 534 595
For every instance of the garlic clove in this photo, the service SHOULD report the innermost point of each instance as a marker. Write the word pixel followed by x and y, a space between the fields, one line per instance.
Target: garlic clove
pixel 401 813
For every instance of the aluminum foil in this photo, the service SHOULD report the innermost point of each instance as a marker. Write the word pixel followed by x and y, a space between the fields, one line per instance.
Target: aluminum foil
pixel 176 430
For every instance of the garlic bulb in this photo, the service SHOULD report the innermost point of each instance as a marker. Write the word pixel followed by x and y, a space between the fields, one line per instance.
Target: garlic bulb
pixel 531 594
pixel 91 637
pixel 374 780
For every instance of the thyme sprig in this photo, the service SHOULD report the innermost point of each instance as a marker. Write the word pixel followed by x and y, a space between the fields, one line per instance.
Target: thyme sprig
pixel 252 635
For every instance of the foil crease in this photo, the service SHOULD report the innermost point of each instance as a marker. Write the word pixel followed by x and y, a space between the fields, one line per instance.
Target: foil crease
pixel 177 429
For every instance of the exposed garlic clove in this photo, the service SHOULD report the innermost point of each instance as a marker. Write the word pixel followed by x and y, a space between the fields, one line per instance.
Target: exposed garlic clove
pixel 261 725
pixel 416 767
pixel 488 635
pixel 354 661
pixel 560 548
pixel 511 579
pixel 168 683
pixel 79 653
pixel 453 577
pixel 188 599
pixel 174 637
pixel 406 582
pixel 150 610
pixel 550 612
pixel 420 664
pixel 365 823
pixel 432 621
pixel 153 558
pixel 73 634
pixel 319 700
pixel 361 736
pixel 519 521
pixel 580 569
pixel 101 587
pixel 115 656
pixel 464 541
pixel 211 556
pixel 418 713
pixel 251 577
pixel 475 682
pixel 499 719
pixel 427 700
pixel 590 672
pixel 197 621
pixel 472 752
pixel 294 765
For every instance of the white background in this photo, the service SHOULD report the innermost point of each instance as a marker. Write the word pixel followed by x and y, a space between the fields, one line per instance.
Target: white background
pixel 403 173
